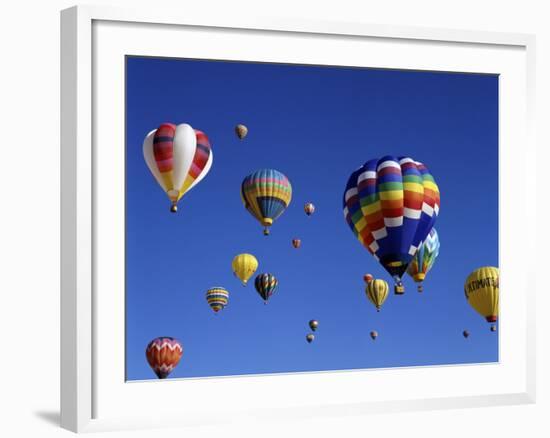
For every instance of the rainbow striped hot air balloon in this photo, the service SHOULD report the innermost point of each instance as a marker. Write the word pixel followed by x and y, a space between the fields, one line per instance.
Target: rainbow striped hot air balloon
pixel 391 205
pixel 163 355
pixel 217 298
pixel 266 194
pixel 179 157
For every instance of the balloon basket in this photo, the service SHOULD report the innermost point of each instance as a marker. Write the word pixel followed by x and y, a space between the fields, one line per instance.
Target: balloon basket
pixel 174 208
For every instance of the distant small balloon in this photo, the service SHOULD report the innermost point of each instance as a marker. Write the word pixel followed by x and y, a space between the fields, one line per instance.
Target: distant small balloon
pixel 310 337
pixel 493 328
pixel 313 324
pixel 367 278
pixel 309 208
pixel 241 131
pixel 296 243
pixel 374 335
pixel 465 333
pixel 217 298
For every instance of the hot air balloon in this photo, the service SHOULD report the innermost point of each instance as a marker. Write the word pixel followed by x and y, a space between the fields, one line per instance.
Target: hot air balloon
pixel 310 337
pixel 424 258
pixel 466 333
pixel 377 292
pixel 493 328
pixel 266 194
pixel 266 284
pixel 313 324
pixel 244 266
pixel 367 278
pixel 391 205
pixel 217 298
pixel 241 131
pixel 163 354
pixel 309 208
pixel 482 290
pixel 296 243
pixel 374 335
pixel 179 157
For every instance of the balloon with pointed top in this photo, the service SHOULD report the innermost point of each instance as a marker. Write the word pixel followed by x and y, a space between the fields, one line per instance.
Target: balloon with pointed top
pixel 374 335
pixel 309 208
pixel 313 324
pixel 266 194
pixel 179 157
pixel 241 131
pixel 266 285
pixel 310 337
pixel 296 243
pixel 163 355
pixel 244 266
pixel 217 298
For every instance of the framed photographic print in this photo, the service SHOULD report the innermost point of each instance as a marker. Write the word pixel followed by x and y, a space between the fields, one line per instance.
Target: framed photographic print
pixel 257 207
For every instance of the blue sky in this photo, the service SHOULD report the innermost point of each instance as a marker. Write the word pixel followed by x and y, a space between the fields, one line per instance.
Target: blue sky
pixel 316 125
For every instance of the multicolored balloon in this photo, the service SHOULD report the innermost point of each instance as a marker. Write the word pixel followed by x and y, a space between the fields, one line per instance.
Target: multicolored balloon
pixel 266 194
pixel 377 292
pixel 296 243
pixel 241 131
pixel 424 258
pixel 391 205
pixel 266 285
pixel 217 298
pixel 310 337
pixel 313 324
pixel 482 292
pixel 163 355
pixel 309 208
pixel 374 335
pixel 244 266
pixel 179 157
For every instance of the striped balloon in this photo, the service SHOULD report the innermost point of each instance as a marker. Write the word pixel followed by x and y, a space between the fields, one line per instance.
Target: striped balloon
pixel 266 284
pixel 424 258
pixel 163 355
pixel 217 298
pixel 391 205
pixel 377 292
pixel 179 157
pixel 266 194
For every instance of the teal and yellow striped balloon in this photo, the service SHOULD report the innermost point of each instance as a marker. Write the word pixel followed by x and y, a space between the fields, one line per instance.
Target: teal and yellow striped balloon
pixel 266 194
pixel 217 298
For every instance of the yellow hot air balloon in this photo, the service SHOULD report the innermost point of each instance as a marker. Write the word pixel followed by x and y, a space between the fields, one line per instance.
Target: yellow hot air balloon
pixel 244 266
pixel 481 290
pixel 377 292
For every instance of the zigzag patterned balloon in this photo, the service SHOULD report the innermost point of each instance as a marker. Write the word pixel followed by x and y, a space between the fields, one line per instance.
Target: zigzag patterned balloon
pixel 163 355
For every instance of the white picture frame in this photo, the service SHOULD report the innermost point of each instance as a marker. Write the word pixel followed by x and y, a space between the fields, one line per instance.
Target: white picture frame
pixel 94 41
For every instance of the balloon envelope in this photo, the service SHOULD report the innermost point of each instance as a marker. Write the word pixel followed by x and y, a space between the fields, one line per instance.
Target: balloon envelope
pixel 482 292
pixel 217 298
pixel 179 157
pixel 391 205
pixel 241 131
pixel 377 292
pixel 163 355
pixel 266 285
pixel 244 266
pixel 266 194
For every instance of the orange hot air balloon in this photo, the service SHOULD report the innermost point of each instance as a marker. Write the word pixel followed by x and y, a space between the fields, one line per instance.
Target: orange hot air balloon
pixel 163 355
pixel 296 243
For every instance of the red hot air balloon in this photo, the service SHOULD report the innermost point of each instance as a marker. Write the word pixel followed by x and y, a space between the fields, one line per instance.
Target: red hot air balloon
pixel 163 355
pixel 368 278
